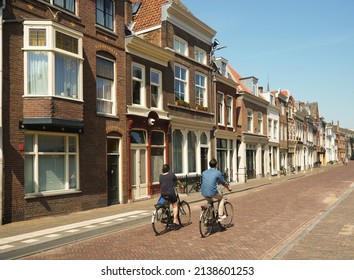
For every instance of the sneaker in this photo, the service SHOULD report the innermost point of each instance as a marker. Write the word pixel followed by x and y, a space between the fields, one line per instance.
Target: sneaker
pixel 221 218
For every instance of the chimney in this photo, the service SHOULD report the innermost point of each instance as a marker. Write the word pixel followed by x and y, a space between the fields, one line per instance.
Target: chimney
pixel 260 90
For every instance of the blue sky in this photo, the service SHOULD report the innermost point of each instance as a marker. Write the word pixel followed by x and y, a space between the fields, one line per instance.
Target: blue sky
pixel 306 46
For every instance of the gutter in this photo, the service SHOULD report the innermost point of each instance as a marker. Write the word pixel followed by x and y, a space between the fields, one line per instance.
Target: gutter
pixel 2 7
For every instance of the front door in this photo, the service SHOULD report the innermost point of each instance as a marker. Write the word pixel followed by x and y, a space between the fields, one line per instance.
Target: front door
pixel 138 171
pixel 113 182
pixel 113 170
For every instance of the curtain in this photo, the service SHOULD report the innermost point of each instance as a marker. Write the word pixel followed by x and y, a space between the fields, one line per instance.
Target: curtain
pixel 37 73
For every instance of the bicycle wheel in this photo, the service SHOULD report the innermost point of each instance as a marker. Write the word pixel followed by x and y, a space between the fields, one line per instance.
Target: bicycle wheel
pixel 206 222
pixel 160 220
pixel 229 213
pixel 184 213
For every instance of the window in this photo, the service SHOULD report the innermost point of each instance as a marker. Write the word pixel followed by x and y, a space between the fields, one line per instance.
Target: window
pixel 53 60
pixel 68 5
pixel 223 68
pixel 200 89
pixel 180 46
pixel 275 133
pixel 220 108
pixel 51 162
pixel 260 123
pixel 250 120
pixel 229 110
pixel 221 151
pixel 155 89
pixel 180 83
pixel 199 55
pixel 138 137
pixel 204 151
pixel 138 85
pixel 136 7
pixel 105 86
pixel 192 142
pixel 157 154
pixel 177 139
pixel 104 13
pixel 270 130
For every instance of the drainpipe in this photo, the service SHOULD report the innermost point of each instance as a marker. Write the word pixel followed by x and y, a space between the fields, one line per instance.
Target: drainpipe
pixel 3 4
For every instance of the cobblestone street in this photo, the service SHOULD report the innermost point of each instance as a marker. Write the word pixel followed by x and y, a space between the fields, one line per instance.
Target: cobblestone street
pixel 305 218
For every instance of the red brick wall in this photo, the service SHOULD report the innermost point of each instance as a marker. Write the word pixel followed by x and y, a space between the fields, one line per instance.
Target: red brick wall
pixel 92 142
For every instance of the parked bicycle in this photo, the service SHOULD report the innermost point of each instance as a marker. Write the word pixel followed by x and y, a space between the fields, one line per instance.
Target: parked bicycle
pixel 209 216
pixel 283 170
pixel 162 216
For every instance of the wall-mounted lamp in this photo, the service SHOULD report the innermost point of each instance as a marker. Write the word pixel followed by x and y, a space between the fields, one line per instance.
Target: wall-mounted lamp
pixel 215 43
pixel 151 121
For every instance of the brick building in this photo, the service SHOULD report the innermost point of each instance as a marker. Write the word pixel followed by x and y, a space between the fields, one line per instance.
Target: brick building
pixel 64 112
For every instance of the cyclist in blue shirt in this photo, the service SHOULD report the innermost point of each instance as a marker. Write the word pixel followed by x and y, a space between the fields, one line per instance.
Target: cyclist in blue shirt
pixel 210 180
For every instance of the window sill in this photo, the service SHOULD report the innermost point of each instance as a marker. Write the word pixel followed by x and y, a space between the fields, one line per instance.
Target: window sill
pixel 52 193
pixel 107 116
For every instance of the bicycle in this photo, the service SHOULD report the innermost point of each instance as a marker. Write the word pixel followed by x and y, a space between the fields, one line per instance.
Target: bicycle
pixel 162 216
pixel 209 216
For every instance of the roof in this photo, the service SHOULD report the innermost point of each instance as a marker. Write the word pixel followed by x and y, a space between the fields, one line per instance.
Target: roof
pixel 237 77
pixel 150 13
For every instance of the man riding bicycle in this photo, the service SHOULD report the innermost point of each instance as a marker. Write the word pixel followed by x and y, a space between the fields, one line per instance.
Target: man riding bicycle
pixel 168 182
pixel 209 189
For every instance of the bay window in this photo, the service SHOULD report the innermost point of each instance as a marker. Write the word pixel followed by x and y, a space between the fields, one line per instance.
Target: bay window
pixel 53 60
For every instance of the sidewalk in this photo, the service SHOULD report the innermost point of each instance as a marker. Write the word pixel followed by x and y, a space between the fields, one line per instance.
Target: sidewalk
pixel 21 238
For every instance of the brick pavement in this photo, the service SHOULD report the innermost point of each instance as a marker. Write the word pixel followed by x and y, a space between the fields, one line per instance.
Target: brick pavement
pixel 279 220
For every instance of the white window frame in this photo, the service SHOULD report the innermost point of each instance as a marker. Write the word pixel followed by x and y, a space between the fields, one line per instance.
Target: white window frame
pixel 221 108
pixel 158 146
pixel 142 82
pixel 270 127
pixel 159 100
pixel 184 82
pixel 180 46
pixel 112 101
pixel 51 50
pixel 200 55
pixel 229 110
pixel 202 101
pixel 260 123
pixel 250 120
pixel 35 153
pixel 275 128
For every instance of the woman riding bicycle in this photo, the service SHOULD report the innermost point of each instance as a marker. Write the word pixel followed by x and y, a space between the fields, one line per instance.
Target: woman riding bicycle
pixel 168 182
pixel 210 180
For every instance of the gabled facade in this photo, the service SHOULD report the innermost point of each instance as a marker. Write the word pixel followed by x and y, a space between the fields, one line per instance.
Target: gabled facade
pixel 187 112
pixel 252 120
pixel 225 134
pixel 282 104
pixel 273 130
